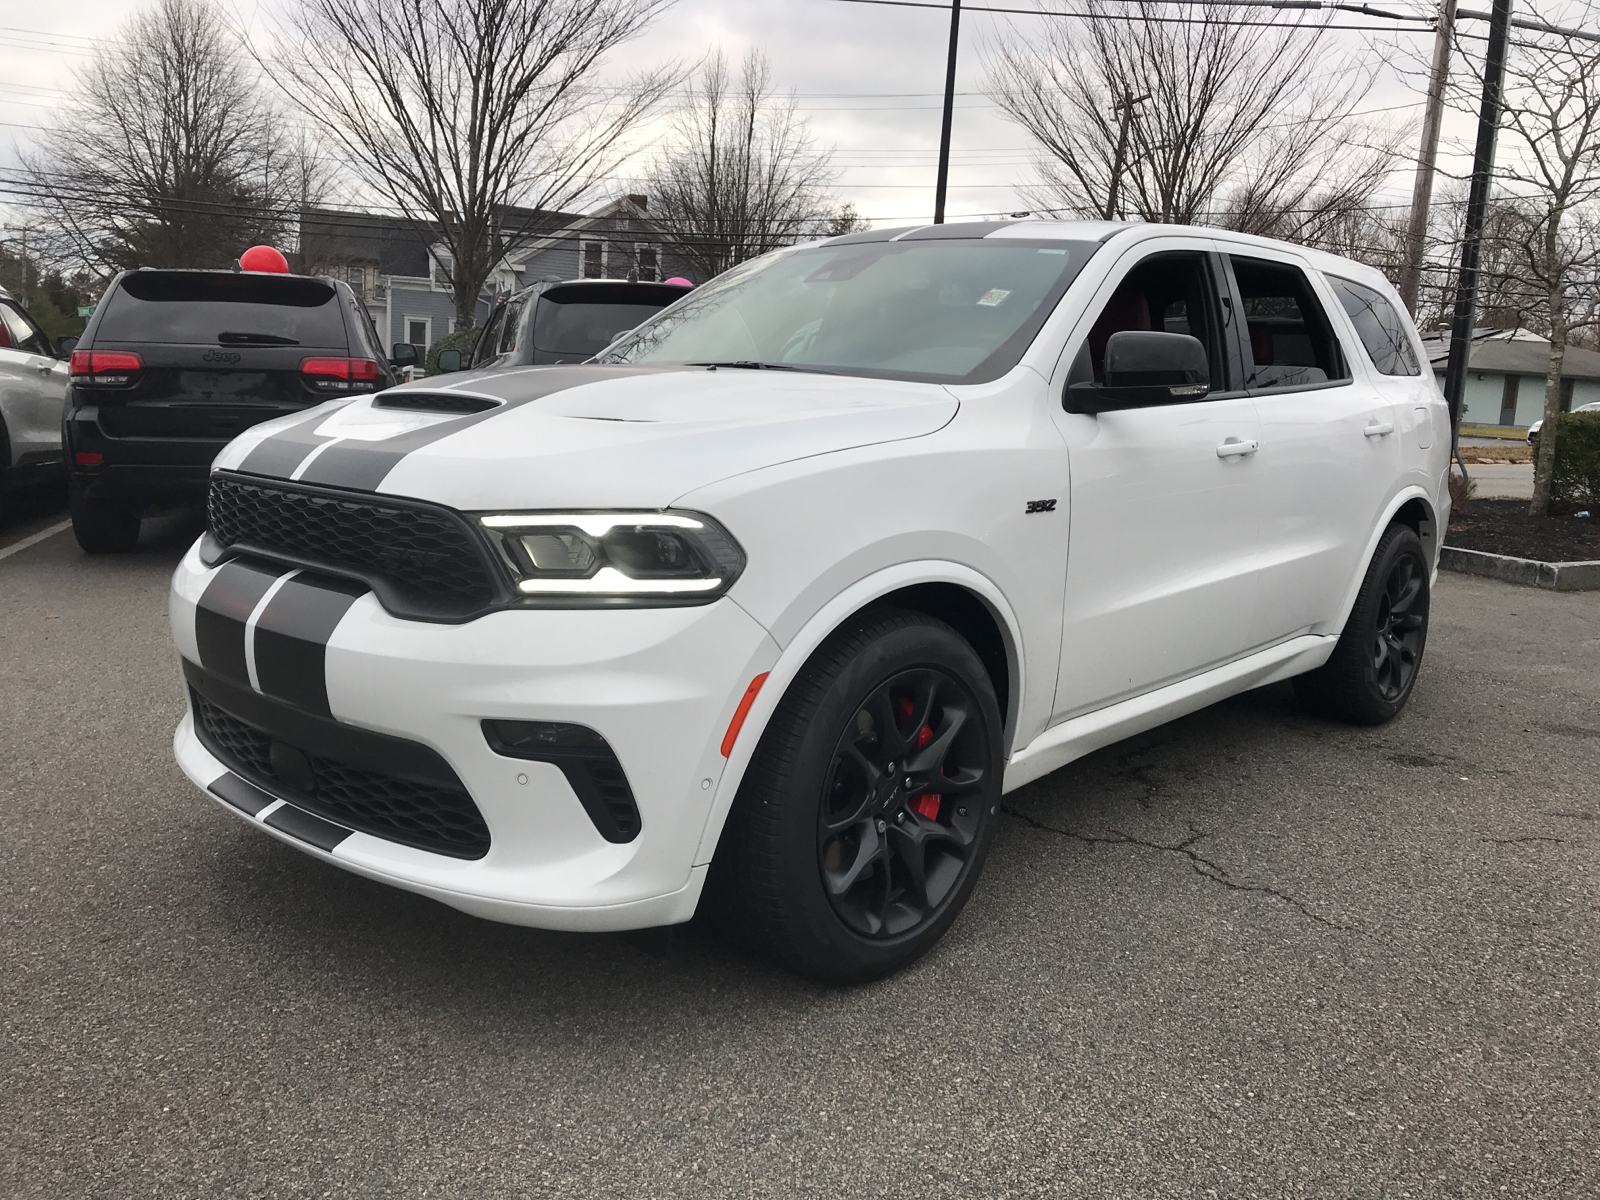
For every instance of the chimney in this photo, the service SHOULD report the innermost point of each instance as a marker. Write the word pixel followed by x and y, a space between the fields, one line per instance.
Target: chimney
pixel 642 203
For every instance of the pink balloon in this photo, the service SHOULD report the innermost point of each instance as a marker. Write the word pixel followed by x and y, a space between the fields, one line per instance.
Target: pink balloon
pixel 680 281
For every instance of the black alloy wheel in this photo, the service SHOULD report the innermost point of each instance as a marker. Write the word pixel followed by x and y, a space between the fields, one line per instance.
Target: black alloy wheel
pixel 1398 629
pixel 900 811
pixel 864 818
pixel 1373 669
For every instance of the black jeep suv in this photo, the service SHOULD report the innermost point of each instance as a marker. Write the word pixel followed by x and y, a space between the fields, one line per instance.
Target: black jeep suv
pixel 174 364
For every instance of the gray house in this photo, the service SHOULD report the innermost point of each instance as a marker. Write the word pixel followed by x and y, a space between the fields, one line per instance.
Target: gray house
pixel 398 269
pixel 1506 372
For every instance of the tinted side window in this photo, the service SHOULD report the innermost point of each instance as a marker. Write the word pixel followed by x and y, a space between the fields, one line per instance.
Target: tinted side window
pixel 22 333
pixel 367 331
pixel 1381 329
pixel 509 332
pixel 1290 342
pixel 1169 293
pixel 490 335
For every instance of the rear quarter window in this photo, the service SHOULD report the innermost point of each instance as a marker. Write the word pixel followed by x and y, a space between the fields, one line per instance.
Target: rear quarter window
pixel 213 309
pixel 1379 325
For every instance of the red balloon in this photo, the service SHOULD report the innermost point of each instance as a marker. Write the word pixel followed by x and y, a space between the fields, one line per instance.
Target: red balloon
pixel 263 258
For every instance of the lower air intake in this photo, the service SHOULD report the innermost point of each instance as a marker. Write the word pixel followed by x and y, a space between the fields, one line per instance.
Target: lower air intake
pixel 425 814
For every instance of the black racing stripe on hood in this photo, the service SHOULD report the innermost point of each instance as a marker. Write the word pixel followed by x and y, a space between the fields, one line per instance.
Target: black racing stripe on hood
pixel 362 465
pixel 285 450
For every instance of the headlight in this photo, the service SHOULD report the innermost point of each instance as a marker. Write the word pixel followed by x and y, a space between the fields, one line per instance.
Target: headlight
pixel 616 558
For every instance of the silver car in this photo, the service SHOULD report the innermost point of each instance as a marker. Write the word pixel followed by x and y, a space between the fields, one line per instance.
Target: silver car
pixel 33 392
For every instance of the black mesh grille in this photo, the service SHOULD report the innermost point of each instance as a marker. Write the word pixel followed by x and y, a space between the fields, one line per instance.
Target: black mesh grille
pixel 428 816
pixel 415 556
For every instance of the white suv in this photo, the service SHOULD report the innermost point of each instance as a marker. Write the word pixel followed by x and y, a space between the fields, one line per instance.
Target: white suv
pixel 771 603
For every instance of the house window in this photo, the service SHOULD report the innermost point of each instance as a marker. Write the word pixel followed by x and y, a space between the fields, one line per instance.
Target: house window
pixel 594 260
pixel 1566 394
pixel 418 331
pixel 647 264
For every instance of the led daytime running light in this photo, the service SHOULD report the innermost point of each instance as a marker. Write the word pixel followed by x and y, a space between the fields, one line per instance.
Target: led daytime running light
pixel 594 524
pixel 610 581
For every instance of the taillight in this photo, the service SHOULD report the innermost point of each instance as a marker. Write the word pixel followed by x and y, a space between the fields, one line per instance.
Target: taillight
pixel 339 374
pixel 104 366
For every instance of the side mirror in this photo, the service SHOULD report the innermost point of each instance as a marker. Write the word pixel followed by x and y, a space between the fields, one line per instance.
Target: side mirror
pixel 1142 369
pixel 403 354
pixel 64 346
pixel 449 360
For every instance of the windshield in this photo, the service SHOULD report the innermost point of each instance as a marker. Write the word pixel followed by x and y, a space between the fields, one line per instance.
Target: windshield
pixel 581 329
pixel 946 311
pixel 218 308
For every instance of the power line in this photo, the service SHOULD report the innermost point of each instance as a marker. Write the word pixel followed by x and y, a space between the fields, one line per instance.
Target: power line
pixel 1300 5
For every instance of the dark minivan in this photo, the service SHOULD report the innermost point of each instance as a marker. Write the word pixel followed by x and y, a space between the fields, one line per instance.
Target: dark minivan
pixel 175 364
pixel 570 322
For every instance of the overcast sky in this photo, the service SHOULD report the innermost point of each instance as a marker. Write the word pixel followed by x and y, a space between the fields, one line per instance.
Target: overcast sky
pixel 867 77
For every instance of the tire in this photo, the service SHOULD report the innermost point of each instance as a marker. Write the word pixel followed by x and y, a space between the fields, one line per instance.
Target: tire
pixel 104 526
pixel 835 864
pixel 1373 669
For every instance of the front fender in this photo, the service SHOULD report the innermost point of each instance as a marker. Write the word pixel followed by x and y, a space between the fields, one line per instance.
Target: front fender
pixel 815 631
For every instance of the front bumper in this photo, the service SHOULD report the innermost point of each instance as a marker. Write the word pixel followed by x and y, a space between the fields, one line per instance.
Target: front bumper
pixel 660 685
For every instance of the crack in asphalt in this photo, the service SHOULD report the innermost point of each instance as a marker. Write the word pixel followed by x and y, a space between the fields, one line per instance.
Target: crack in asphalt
pixel 1203 866
pixel 1139 773
pixel 1511 841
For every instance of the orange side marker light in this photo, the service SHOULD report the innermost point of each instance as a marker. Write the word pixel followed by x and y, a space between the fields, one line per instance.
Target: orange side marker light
pixel 740 713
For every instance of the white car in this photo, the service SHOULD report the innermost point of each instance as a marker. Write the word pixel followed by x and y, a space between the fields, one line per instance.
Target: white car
pixel 1533 430
pixel 769 606
pixel 33 392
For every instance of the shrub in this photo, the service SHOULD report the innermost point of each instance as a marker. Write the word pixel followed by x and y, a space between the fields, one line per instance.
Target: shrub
pixel 1576 477
pixel 1462 489
pixel 462 339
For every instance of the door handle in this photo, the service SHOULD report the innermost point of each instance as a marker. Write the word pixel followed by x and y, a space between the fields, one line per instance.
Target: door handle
pixel 1379 428
pixel 1234 448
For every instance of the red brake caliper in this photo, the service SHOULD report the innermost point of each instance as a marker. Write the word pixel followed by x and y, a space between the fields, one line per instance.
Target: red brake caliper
pixel 927 804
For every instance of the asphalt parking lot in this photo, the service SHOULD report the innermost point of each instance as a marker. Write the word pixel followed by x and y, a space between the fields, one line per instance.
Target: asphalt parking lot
pixel 1252 954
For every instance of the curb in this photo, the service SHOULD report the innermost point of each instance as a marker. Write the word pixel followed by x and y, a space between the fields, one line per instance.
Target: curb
pixel 1560 577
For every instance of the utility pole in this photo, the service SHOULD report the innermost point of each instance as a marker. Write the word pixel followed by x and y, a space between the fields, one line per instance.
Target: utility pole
pixel 1494 69
pixel 1126 105
pixel 1427 156
pixel 949 114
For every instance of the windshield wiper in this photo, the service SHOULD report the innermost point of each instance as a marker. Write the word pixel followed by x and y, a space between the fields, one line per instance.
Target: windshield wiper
pixel 749 364
pixel 230 338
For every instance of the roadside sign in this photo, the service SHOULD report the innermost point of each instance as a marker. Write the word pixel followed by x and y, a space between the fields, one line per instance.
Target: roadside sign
pixel 86 310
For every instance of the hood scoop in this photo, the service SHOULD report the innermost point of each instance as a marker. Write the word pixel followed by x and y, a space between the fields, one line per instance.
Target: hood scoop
pixel 453 403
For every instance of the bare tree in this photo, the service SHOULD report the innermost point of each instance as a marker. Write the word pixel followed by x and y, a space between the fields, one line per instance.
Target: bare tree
pixel 1549 166
pixel 459 112
pixel 1180 113
pixel 740 174
pixel 166 154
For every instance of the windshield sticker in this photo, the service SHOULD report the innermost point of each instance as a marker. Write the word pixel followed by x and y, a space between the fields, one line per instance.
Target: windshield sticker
pixel 994 297
pixel 1052 252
